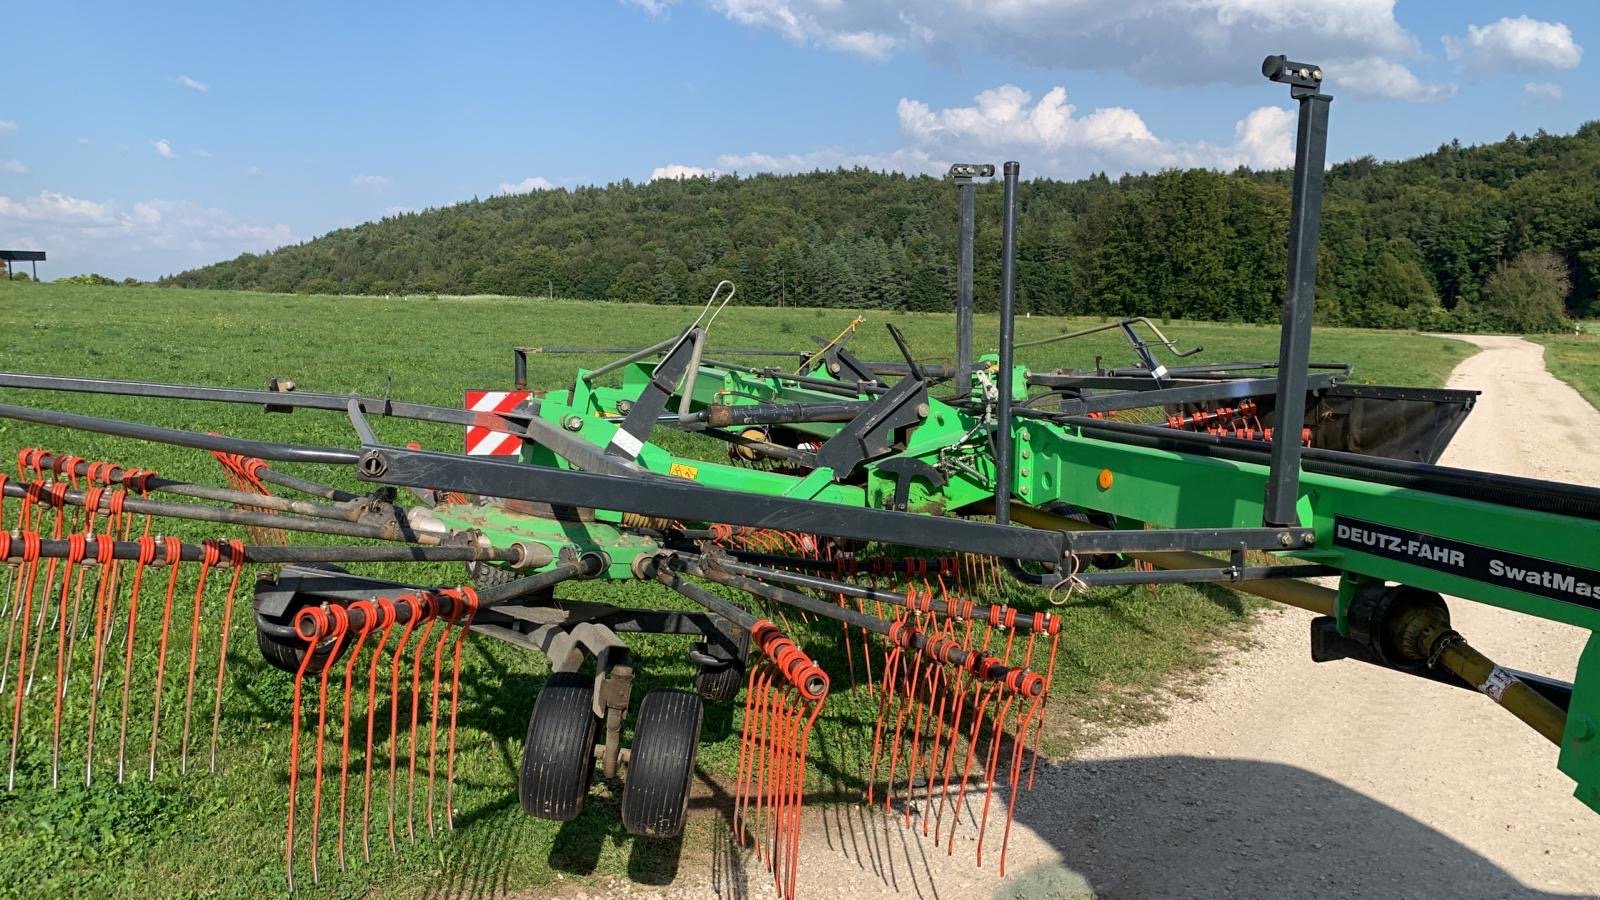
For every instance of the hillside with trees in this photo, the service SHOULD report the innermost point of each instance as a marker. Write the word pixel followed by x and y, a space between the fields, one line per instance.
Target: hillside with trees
pixel 1504 236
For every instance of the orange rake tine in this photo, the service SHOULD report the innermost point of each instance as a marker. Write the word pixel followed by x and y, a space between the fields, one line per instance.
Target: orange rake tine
pixel 386 617
pixel 470 598
pixel 147 555
pixel 30 557
pixel 890 667
pixel 78 547
pixel 411 748
pixel 746 748
pixel 174 556
pixel 1053 626
pixel 108 572
pixel 1016 770
pixel 433 710
pixel 966 769
pixel 13 614
pixel 341 623
pixel 210 556
pixel 315 621
pixel 368 619
pixel 236 561
pixel 416 603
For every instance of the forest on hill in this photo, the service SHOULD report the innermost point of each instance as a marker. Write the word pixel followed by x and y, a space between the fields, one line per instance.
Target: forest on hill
pixel 1503 236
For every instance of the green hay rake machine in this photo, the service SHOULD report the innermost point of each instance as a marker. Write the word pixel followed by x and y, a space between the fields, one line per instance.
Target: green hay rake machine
pixel 934 512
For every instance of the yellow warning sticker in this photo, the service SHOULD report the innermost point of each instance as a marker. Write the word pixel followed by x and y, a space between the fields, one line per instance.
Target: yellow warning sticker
pixel 679 470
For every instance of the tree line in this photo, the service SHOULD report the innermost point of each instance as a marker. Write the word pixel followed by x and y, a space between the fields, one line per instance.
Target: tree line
pixel 1503 236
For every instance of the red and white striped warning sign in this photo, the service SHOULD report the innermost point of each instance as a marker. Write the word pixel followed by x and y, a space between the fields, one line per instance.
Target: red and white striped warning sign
pixel 485 441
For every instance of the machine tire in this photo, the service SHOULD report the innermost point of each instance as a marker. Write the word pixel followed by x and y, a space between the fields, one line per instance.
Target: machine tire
pixel 558 756
pixel 283 651
pixel 721 684
pixel 285 654
pixel 666 740
pixel 488 575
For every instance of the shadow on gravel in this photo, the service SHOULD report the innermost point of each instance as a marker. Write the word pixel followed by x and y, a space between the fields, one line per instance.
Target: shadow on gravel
pixel 1180 826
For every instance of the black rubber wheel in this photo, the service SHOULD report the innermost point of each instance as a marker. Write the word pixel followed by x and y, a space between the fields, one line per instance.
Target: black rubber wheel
pixel 275 637
pixel 285 653
pixel 721 684
pixel 666 740
pixel 488 575
pixel 558 757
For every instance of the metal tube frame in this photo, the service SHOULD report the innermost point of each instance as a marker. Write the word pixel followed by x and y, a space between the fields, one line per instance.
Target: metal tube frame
pixel 1294 348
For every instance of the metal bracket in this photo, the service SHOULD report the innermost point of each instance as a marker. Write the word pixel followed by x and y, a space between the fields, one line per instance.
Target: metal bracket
pixel 904 468
pixel 879 430
pixel 634 429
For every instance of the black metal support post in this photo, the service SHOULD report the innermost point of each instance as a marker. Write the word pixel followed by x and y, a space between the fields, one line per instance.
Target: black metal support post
pixel 1305 223
pixel 1008 310
pixel 966 193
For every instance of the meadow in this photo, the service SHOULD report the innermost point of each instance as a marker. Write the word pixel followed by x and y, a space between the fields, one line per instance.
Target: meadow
pixel 223 835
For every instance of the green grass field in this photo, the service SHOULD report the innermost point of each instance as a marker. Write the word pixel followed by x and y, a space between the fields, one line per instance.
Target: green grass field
pixel 223 835
pixel 1575 359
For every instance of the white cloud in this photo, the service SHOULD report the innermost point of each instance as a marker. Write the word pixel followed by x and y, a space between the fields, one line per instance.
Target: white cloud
pixel 193 85
pixel 1265 138
pixel 656 8
pixel 7 126
pixel 57 209
pixel 201 153
pixel 830 158
pixel 1050 134
pixel 1162 42
pixel 1060 142
pixel 1514 45
pixel 83 140
pixel 1543 91
pixel 163 148
pixel 526 185
pixel 675 170
pixel 13 167
pixel 146 238
pixel 374 183
pixel 1381 79
pixel 252 170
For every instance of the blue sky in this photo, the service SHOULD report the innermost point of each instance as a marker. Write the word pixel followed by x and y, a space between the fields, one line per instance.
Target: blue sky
pixel 145 141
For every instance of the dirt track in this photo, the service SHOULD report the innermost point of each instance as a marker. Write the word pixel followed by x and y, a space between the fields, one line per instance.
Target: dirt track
pixel 1282 777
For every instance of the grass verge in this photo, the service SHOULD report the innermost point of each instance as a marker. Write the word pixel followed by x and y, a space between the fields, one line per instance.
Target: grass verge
pixel 1575 359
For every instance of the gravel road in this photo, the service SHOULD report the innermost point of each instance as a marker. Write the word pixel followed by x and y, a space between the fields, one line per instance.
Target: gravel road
pixel 1279 777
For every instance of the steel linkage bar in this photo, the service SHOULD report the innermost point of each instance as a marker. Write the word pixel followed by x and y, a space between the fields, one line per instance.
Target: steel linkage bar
pixel 178 437
pixel 688 501
pixel 966 610
pixel 1219 575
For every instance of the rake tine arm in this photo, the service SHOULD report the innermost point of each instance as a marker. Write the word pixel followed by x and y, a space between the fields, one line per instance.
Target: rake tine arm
pixel 197 512
pixel 115 474
pixel 60 548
